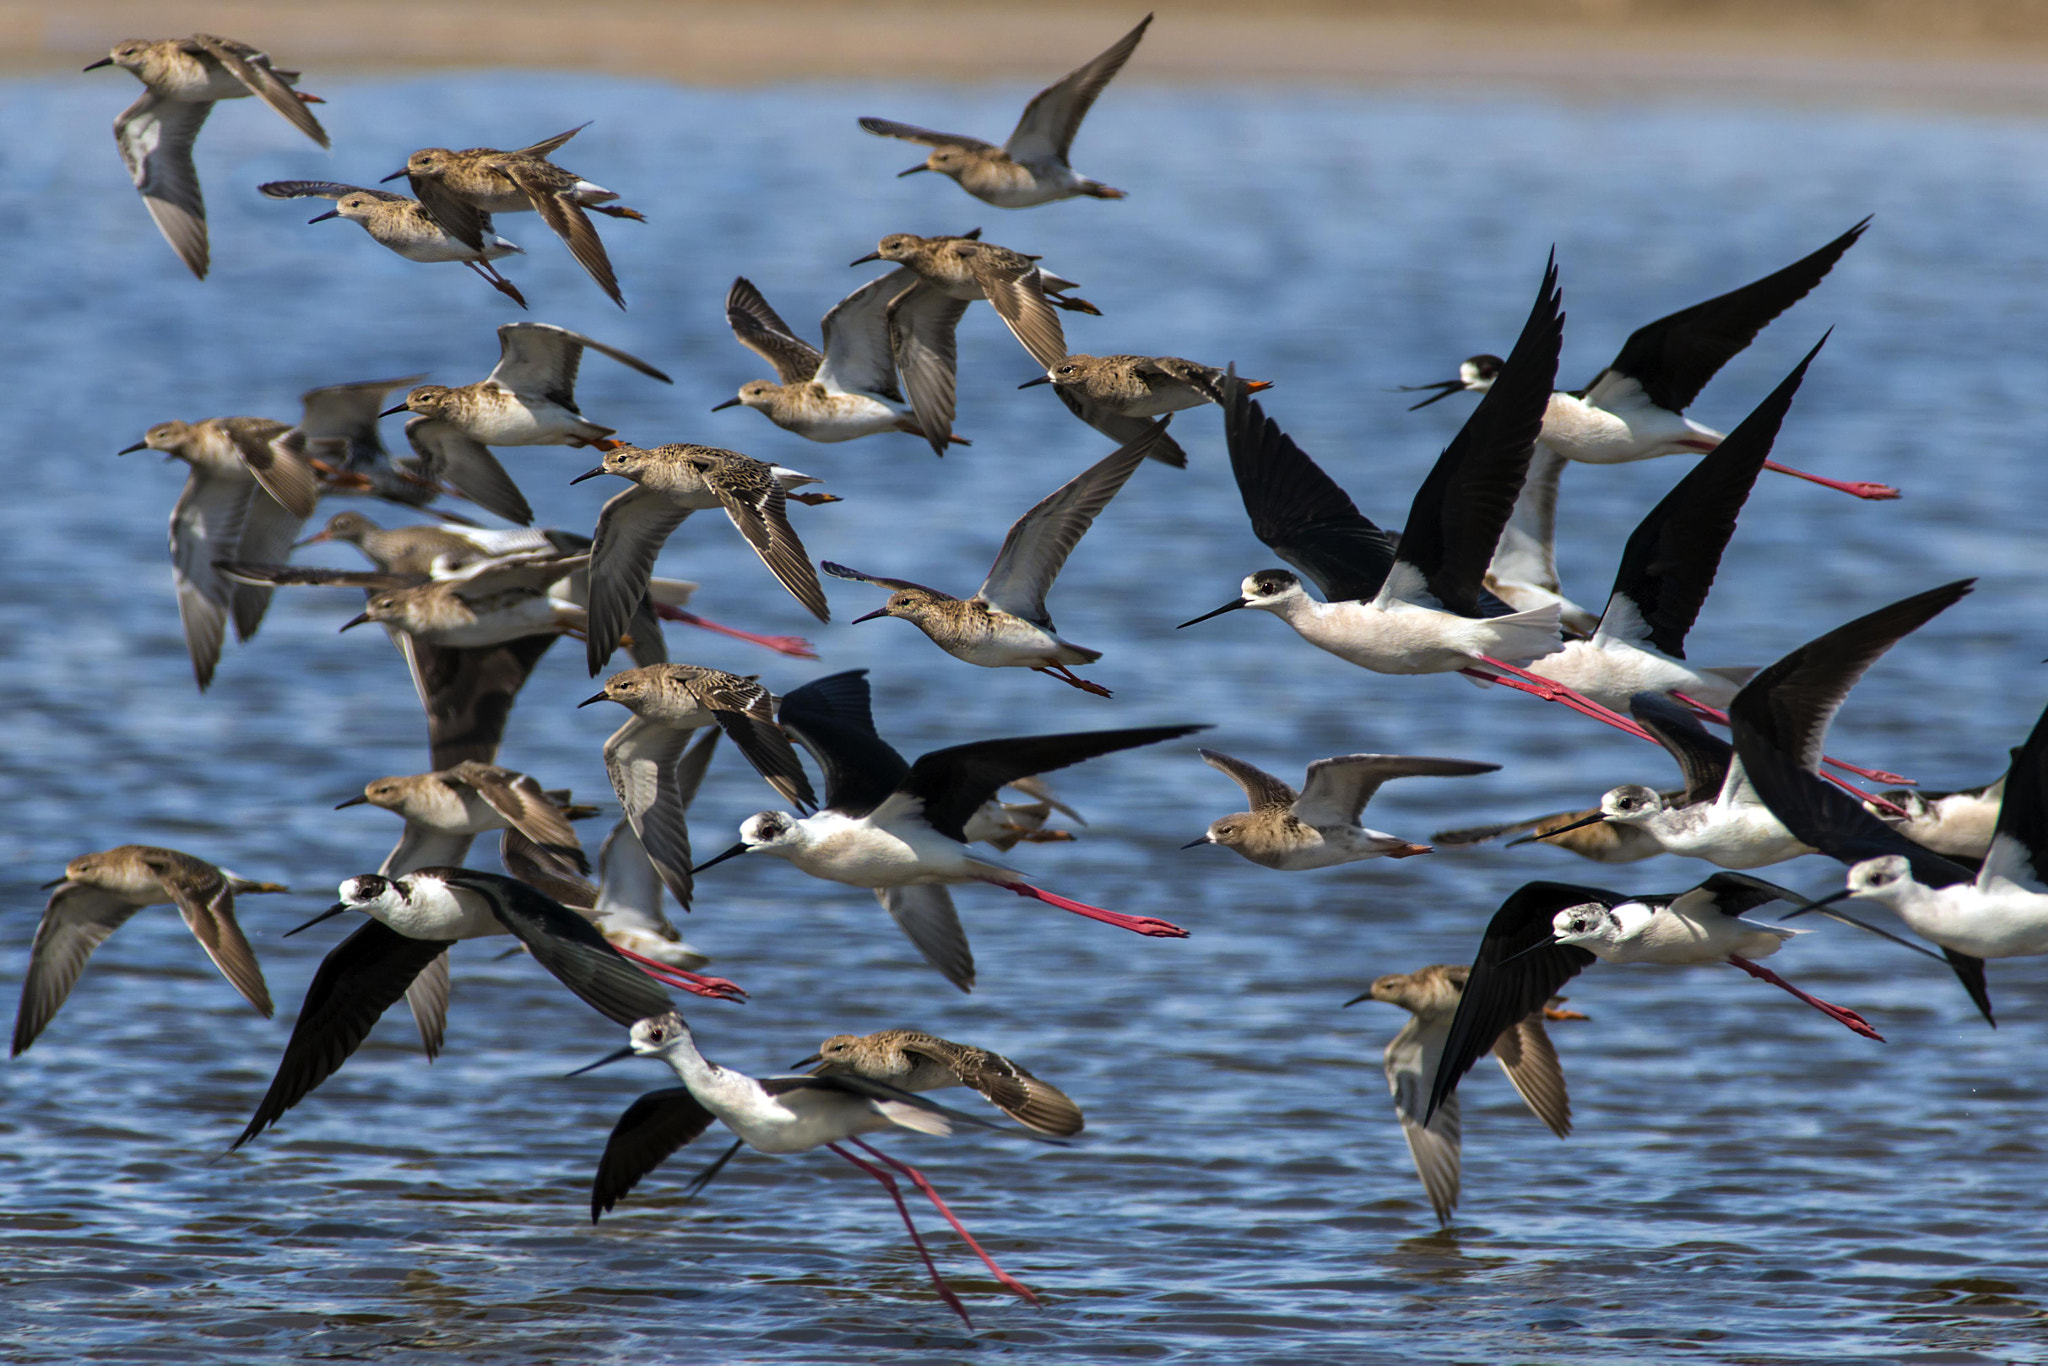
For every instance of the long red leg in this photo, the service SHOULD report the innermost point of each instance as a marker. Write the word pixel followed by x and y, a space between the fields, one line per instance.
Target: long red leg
pixel 1136 924
pixel 1841 1014
pixel 796 646
pixel 1876 775
pixel 896 1194
pixel 1860 488
pixel 918 1179
pixel 1521 680
pixel 1066 675
pixel 717 988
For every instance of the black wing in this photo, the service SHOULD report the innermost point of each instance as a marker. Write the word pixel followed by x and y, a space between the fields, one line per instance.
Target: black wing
pixel 1517 971
pixel 568 946
pixel 954 782
pixel 830 717
pixel 1701 756
pixel 1459 512
pixel 1789 705
pixel 470 692
pixel 361 978
pixel 1675 356
pixel 1297 509
pixel 652 1128
pixel 1673 554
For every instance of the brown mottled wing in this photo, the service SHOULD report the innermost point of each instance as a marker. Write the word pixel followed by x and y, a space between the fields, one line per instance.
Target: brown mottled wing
pixel 631 530
pixel 155 137
pixel 921 332
pixel 761 330
pixel 910 132
pixel 1121 429
pixel 652 1128
pixel 754 500
pixel 547 147
pixel 1264 791
pixel 745 711
pixel 76 921
pixel 1007 1086
pixel 252 69
pixel 1054 115
pixel 206 901
pixel 1339 787
pixel 519 799
pixel 325 189
pixel 462 219
pixel 1526 1054
pixel 570 223
pixel 840 571
pixel 536 866
pixel 1018 296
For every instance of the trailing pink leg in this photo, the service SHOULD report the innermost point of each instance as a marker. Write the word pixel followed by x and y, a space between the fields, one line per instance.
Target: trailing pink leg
pixel 918 1179
pixel 795 646
pixel 717 988
pixel 1521 680
pixel 1136 924
pixel 1842 1014
pixel 1860 488
pixel 896 1194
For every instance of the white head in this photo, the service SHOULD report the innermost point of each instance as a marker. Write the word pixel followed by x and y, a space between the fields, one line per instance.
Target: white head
pixel 1273 590
pixel 657 1034
pixel 773 832
pixel 1587 924
pixel 1630 803
pixel 1880 879
pixel 373 890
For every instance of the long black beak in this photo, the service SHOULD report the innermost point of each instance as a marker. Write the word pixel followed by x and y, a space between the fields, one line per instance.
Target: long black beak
pixel 1579 824
pixel 1845 894
pixel 588 700
pixel 352 801
pixel 1230 606
pixel 104 61
pixel 332 911
pixel 913 170
pixel 393 176
pixel 605 1061
pixel 1042 379
pixel 130 450
pixel 331 213
pixel 588 474
pixel 863 260
pixel 317 538
pixel 878 612
pixel 1365 995
pixel 355 621
pixel 1446 388
pixel 729 403
pixel 389 411
pixel 733 852
pixel 56 882
pixel 1196 844
pixel 1539 944
pixel 811 1061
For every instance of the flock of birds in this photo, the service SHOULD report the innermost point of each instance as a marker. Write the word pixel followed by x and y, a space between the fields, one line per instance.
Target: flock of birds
pixel 1469 585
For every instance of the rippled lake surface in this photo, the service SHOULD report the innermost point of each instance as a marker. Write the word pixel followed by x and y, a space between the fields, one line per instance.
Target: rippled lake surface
pixel 1748 1182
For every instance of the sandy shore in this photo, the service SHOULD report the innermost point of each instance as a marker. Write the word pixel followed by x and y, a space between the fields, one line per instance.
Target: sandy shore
pixel 1979 54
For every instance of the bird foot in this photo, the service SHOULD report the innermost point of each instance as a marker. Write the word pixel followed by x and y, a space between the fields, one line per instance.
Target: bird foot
pixel 794 646
pixel 1136 924
pixel 1840 1014
pixel 1553 1013
pixel 509 290
pixel 304 98
pixel 1066 676
pixel 618 211
pixel 1410 851
pixel 814 499
pixel 1072 305
pixel 1048 836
